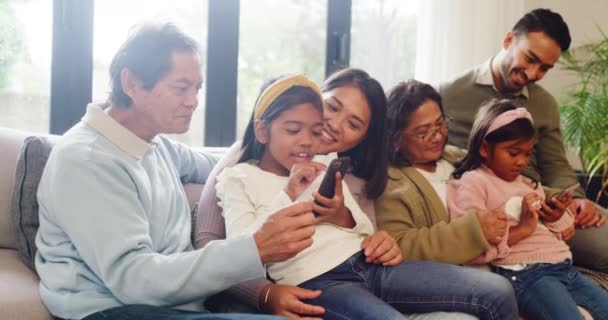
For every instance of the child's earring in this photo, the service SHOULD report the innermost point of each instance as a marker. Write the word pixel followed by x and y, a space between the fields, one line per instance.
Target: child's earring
pixel 260 132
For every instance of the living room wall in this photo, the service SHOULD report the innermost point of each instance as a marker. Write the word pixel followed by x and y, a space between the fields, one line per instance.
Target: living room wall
pixel 585 18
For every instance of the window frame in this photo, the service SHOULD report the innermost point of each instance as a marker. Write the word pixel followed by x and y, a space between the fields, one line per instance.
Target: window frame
pixel 72 62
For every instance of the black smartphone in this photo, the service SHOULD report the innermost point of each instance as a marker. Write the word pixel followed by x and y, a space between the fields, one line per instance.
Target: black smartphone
pixel 328 184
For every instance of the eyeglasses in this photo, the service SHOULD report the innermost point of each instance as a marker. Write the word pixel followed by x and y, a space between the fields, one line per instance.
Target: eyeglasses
pixel 429 134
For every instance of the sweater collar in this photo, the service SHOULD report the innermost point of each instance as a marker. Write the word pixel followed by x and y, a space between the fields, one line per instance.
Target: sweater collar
pixel 484 78
pixel 120 136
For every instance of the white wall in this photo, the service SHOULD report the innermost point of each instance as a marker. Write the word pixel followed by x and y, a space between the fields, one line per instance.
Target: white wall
pixel 583 17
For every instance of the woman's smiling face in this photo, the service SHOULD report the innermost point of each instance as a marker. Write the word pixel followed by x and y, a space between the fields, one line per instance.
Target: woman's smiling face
pixel 346 119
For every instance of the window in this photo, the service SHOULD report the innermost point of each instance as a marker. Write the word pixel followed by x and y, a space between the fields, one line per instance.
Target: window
pixel 114 19
pixel 277 37
pixel 383 34
pixel 25 64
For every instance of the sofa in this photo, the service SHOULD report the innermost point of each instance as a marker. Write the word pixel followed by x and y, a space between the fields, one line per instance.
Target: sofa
pixel 19 297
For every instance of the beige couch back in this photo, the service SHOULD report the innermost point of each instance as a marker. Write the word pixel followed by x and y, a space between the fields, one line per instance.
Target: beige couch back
pixel 10 144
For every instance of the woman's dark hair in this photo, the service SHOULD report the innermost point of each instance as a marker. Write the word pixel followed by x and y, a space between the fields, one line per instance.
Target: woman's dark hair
pixel 516 130
pixel 369 157
pixel 546 21
pixel 252 149
pixel 403 100
pixel 147 54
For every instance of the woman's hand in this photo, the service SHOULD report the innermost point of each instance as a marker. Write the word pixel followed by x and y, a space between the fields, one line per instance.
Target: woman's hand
pixel 333 210
pixel 285 300
pixel 301 176
pixel 380 247
pixel 493 225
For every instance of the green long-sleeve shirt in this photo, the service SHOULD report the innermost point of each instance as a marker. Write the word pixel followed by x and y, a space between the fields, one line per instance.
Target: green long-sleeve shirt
pixel 462 97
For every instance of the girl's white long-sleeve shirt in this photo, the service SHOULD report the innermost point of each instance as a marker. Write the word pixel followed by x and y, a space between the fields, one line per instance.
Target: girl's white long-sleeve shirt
pixel 248 195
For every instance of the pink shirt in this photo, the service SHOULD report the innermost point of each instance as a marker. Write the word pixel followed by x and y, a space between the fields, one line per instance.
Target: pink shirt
pixel 480 190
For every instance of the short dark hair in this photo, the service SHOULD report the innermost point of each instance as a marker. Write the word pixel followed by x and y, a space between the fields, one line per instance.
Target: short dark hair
pixel 147 54
pixel 369 159
pixel 403 100
pixel 547 21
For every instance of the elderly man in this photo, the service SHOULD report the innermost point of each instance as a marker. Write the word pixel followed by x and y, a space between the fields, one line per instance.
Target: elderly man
pixel 114 237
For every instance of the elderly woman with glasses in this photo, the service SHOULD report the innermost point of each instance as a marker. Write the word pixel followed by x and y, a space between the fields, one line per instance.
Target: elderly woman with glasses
pixel 413 206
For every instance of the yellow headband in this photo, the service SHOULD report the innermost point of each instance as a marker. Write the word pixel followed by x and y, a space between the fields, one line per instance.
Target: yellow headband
pixel 278 87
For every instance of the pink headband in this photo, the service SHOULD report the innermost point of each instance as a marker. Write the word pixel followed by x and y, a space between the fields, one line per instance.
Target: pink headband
pixel 507 117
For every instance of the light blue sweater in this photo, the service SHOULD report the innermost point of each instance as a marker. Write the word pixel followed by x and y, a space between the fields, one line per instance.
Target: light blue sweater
pixel 115 224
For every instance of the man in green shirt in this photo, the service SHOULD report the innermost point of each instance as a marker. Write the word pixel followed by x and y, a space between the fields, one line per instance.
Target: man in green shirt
pixel 529 51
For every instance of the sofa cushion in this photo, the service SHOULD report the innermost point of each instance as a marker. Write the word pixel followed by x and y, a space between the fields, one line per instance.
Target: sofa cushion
pixel 24 209
pixel 10 143
pixel 19 297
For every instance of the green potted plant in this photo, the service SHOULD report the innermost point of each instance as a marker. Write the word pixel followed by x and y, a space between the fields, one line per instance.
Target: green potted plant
pixel 585 114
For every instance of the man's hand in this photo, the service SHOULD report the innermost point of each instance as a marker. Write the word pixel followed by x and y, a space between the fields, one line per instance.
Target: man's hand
pixel 587 214
pixel 380 247
pixel 285 300
pixel 493 224
pixel 286 233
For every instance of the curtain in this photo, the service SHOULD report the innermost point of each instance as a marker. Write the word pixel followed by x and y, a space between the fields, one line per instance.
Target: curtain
pixel 455 35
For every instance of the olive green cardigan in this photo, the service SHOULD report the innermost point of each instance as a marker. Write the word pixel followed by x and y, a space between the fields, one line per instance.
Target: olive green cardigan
pixel 411 211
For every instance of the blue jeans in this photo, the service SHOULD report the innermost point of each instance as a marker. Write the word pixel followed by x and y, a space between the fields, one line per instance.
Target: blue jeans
pixel 136 312
pixel 553 291
pixel 359 290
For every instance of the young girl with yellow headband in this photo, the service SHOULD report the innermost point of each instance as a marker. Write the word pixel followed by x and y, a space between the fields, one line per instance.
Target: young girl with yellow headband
pixel 531 254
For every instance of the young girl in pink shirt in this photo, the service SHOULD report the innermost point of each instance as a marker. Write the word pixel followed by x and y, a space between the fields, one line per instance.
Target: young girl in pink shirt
pixel 532 253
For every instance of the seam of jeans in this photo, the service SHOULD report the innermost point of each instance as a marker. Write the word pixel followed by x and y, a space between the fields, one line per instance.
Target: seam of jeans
pixel 355 269
pixel 491 314
pixel 337 314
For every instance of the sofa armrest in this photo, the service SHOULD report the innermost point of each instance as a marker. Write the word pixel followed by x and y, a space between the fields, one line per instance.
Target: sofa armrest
pixel 19 296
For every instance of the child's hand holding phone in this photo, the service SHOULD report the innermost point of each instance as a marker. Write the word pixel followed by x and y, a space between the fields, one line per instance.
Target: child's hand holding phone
pixel 329 200
pixel 557 204
pixel 328 207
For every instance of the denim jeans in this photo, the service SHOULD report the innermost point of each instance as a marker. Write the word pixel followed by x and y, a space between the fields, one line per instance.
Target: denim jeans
pixel 136 312
pixel 359 290
pixel 553 291
pixel 225 302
